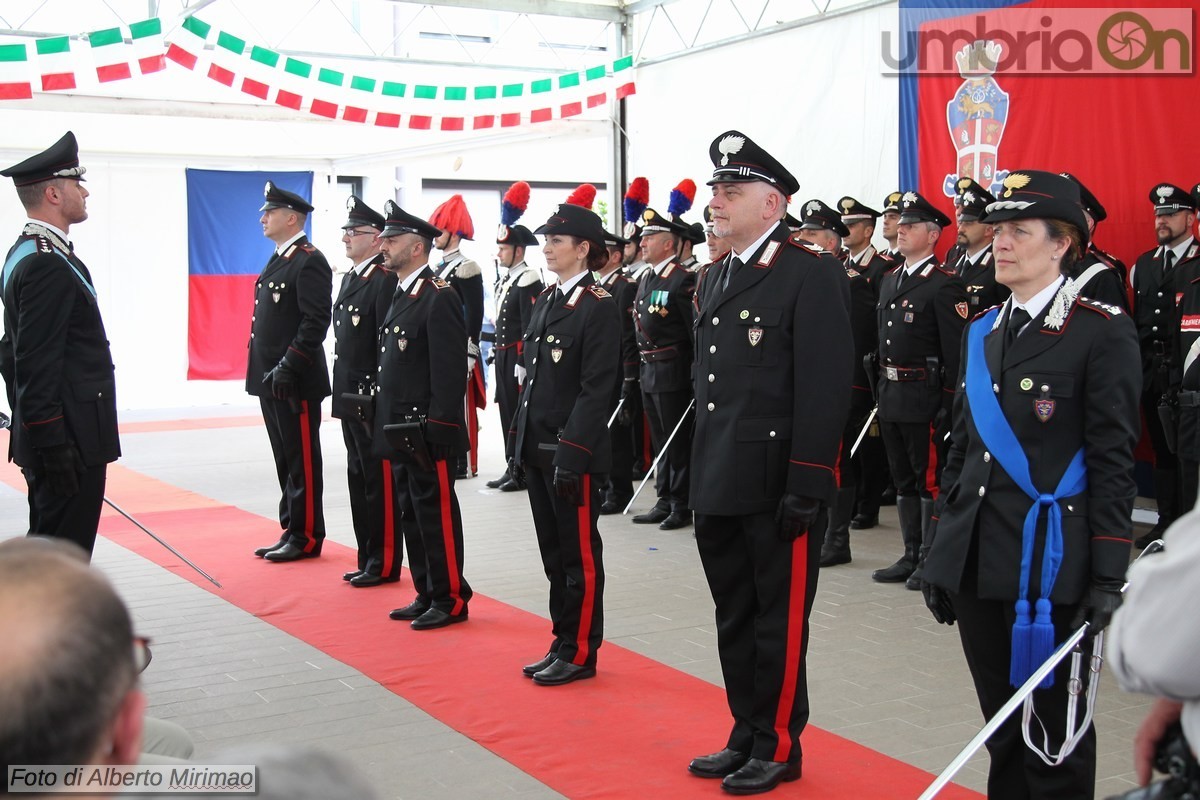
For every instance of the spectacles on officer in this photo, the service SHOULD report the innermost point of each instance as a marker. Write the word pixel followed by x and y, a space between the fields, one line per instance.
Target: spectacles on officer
pixel 141 653
pixel 352 233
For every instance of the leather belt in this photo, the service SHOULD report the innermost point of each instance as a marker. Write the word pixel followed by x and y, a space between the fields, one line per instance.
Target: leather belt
pixel 902 374
pixel 1189 399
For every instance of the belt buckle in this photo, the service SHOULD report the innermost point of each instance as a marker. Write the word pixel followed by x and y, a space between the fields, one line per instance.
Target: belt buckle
pixel 892 373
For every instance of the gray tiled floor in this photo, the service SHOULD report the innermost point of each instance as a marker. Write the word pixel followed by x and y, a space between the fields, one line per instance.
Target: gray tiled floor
pixel 881 672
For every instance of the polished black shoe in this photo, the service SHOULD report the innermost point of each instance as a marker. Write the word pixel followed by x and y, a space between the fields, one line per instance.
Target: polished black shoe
pixel 436 618
pixel 718 765
pixel 561 672
pixel 496 484
pixel 513 485
pixel 289 552
pixel 614 506
pixel 896 573
pixel 864 521
pixel 652 517
pixel 759 776
pixel 411 611
pixel 676 520
pixel 529 670
pixel 262 551
pixel 349 576
pixel 368 579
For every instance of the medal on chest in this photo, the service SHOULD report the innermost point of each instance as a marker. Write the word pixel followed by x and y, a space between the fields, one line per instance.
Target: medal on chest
pixel 755 335
pixel 354 316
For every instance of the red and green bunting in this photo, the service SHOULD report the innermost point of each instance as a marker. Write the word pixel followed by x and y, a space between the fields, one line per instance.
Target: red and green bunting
pixel 272 77
pixel 293 83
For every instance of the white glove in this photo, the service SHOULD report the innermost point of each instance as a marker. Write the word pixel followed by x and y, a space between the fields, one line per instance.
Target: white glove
pixel 519 371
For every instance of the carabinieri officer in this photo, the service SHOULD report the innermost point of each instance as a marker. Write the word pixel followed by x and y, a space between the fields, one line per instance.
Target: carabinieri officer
pixel 1032 532
pixel 572 362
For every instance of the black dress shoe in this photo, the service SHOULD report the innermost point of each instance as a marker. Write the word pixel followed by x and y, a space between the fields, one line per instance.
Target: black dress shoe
pixel 864 521
pixel 513 485
pixel 611 507
pixel 652 517
pixel 496 484
pixel 349 576
pixel 368 579
pixel 529 670
pixel 561 672
pixel 411 611
pixel 676 520
pixel 759 776
pixel 262 551
pixel 289 552
pixel 718 765
pixel 436 618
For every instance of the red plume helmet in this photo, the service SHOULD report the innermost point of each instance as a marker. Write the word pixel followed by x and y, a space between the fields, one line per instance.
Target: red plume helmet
pixel 452 216
pixel 583 196
pixel 516 200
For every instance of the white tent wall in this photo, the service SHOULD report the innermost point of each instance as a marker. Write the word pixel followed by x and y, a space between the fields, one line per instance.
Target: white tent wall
pixel 135 239
pixel 813 96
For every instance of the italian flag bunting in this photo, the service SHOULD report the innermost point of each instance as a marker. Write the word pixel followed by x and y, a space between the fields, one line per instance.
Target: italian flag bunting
pixel 188 43
pixel 110 58
pixel 14 73
pixel 55 63
pixel 148 45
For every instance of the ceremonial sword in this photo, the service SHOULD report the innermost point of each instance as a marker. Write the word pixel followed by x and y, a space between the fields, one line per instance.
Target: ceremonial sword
pixel 662 451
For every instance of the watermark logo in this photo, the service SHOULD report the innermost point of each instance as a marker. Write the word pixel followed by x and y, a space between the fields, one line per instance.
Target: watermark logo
pixel 1042 41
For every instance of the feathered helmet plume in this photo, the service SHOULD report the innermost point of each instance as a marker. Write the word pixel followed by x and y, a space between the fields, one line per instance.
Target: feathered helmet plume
pixel 637 198
pixel 682 197
pixel 583 196
pixel 516 200
pixel 452 216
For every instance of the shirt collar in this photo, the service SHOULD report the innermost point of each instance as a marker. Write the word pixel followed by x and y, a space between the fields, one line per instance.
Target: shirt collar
pixel 283 247
pixel 910 270
pixel 1037 304
pixel 752 249
pixel 359 269
pixel 566 286
pixel 1179 250
pixel 407 284
pixel 658 268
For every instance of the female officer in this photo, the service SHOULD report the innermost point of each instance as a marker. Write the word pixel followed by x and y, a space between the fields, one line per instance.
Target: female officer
pixel 572 361
pixel 1033 529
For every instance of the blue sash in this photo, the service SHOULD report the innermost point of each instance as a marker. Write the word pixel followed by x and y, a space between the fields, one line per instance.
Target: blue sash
pixel 28 248
pixel 1032 643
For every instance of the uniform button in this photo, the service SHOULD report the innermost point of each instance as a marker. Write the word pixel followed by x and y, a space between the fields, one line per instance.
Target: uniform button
pixel 1158 311
pixel 1070 508
pixel 987 457
pixel 711 377
pixel 889 323
pixel 251 335
pixel 996 388
pixel 253 318
pixel 716 320
pixel 99 394
pixel 538 339
pixel 535 361
pixel 893 306
pixel 982 491
pixel 379 369
pixel 1160 294
pixel 1154 329
pixel 712 406
pixel 335 322
pixel 772 434
pixel 712 348
pixel 888 341
pixel 255 302
pixel 383 349
pixel 527 404
pixel 335 356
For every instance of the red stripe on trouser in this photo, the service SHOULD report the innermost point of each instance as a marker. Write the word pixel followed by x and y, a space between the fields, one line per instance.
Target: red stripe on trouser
pixel 837 467
pixel 389 520
pixel 588 561
pixel 931 485
pixel 306 455
pixel 797 592
pixel 448 535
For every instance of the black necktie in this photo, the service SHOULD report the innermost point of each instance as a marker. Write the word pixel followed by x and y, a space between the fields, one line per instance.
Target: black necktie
pixel 1017 319
pixel 900 278
pixel 729 270
pixel 1168 261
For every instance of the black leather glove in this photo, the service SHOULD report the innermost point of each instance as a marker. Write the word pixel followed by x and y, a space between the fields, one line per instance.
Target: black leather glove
pixel 442 452
pixel 568 486
pixel 625 415
pixel 491 357
pixel 1101 602
pixel 283 380
pixel 515 470
pixel 937 600
pixel 795 515
pixel 62 465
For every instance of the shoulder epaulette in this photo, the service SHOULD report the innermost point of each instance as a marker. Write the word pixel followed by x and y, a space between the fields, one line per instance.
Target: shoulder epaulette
pixel 598 290
pixel 467 269
pixel 851 272
pixel 439 283
pixel 984 311
pixel 796 241
pixel 1106 309
pixel 308 247
pixel 43 244
pixel 942 268
pixel 528 277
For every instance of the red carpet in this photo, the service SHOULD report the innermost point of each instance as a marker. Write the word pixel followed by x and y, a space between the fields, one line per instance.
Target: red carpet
pixel 628 733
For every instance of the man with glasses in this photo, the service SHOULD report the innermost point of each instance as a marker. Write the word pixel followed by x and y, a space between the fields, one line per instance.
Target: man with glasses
pixel 366 290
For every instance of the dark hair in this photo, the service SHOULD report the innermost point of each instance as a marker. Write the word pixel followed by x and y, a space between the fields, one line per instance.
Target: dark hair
pixel 1058 230
pixel 58 698
pixel 597 255
pixel 32 195
pixel 427 243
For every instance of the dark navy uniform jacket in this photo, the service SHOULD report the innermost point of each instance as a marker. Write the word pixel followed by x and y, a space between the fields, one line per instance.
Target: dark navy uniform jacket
pixel 358 311
pixel 292 311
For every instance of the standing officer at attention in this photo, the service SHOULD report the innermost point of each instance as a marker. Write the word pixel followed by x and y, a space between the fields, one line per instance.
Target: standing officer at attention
pixel 54 356
pixel 571 358
pixel 1099 275
pixel 362 300
pixel 976 266
pixel 420 378
pixel 613 280
pixel 922 310
pixel 773 369
pixel 516 293
pixel 454 224
pixel 891 224
pixel 1153 278
pixel 663 320
pixel 287 371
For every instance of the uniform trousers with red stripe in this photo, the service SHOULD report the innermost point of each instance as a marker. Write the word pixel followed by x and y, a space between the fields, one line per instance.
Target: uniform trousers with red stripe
pixel 433 529
pixel 763 588
pixel 913 458
pixel 296 446
pixel 572 556
pixel 374 506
